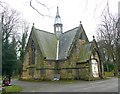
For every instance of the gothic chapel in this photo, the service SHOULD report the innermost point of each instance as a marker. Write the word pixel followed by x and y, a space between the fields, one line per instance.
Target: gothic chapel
pixel 58 55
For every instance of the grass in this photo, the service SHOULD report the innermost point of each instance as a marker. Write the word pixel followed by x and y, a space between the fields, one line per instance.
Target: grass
pixel 109 74
pixel 13 88
pixel 30 80
pixel 59 81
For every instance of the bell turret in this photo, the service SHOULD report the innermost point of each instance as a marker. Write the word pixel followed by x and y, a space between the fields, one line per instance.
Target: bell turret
pixel 58 25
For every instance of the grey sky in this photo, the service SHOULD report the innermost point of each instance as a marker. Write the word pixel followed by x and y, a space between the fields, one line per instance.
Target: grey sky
pixel 71 12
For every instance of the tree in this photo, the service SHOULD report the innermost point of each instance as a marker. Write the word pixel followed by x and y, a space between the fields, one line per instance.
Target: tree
pixel 9 22
pixel 108 36
pixel 12 44
pixel 118 44
pixel 10 58
pixel 22 44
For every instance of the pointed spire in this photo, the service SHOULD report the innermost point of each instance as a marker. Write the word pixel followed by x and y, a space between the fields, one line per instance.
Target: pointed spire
pixel 58 26
pixel 57 10
pixel 57 18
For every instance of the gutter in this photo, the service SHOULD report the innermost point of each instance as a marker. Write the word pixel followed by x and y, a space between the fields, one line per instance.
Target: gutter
pixel 57 50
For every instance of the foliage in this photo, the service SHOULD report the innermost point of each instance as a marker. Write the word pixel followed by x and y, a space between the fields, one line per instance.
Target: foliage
pixel 118 44
pixel 108 74
pixel 30 80
pixel 22 44
pixel 11 25
pixel 9 18
pixel 108 37
pixel 110 65
pixel 14 88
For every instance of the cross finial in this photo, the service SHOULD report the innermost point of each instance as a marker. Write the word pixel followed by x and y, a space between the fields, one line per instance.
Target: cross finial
pixel 33 24
pixel 80 22
pixel 93 37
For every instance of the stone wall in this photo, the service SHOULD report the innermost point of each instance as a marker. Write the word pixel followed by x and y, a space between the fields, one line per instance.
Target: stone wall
pixel 40 70
pixel 70 69
pixel 83 71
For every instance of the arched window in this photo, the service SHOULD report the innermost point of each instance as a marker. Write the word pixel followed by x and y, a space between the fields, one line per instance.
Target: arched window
pixel 33 52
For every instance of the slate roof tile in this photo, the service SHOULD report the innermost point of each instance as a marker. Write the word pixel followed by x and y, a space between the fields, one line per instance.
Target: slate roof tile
pixel 48 42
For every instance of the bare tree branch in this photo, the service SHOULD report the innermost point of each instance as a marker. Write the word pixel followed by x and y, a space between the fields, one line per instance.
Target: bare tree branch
pixel 43 5
pixel 35 8
pixel 108 35
pixel 10 20
pixel 106 7
pixel 1 4
pixel 38 10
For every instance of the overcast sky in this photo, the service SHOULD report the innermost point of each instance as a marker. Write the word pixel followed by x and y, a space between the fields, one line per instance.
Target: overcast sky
pixel 71 12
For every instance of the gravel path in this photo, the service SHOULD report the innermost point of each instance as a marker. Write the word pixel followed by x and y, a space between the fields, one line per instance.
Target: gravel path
pixel 109 85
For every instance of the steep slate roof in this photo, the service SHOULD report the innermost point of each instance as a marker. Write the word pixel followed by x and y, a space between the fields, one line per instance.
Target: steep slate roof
pixel 100 51
pixel 66 41
pixel 83 35
pixel 85 52
pixel 48 42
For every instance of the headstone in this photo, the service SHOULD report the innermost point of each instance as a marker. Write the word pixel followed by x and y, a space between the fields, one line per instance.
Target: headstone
pixel 56 77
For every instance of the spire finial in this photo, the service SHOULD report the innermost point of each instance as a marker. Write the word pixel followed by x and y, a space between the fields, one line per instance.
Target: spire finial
pixel 93 37
pixel 80 22
pixel 33 24
pixel 57 10
pixel 57 17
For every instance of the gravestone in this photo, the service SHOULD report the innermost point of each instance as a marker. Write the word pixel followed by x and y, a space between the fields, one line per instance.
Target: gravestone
pixel 55 77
